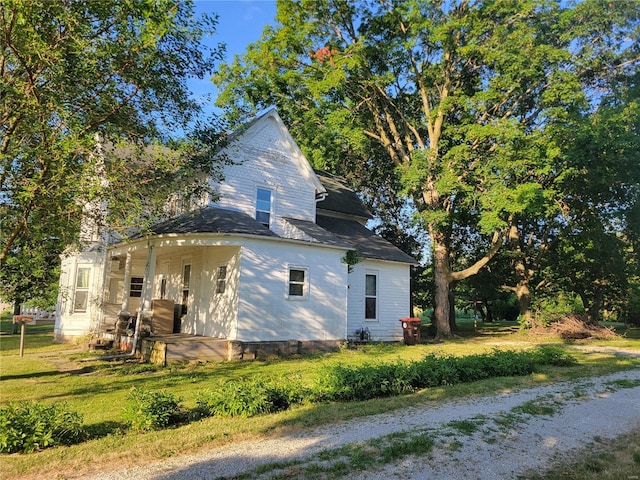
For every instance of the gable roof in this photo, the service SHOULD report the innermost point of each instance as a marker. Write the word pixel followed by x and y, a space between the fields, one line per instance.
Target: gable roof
pixel 256 124
pixel 212 220
pixel 368 244
pixel 341 198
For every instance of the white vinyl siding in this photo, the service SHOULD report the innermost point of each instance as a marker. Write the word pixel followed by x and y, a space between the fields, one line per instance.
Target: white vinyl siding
pixel 265 316
pixel 392 299
pixel 264 158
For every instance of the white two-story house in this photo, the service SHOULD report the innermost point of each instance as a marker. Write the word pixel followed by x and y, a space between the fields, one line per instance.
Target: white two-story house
pixel 282 257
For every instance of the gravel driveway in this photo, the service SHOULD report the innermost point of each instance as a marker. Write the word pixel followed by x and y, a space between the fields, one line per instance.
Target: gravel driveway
pixel 488 437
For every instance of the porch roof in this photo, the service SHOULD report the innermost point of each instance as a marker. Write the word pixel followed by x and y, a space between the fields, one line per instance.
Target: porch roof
pixel 212 220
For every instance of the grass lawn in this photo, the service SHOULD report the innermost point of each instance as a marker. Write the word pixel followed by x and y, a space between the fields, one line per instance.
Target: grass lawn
pixel 51 372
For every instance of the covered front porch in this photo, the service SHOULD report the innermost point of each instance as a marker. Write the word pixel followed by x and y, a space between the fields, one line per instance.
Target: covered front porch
pixel 169 289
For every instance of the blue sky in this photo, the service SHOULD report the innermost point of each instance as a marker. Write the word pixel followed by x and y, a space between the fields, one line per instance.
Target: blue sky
pixel 240 23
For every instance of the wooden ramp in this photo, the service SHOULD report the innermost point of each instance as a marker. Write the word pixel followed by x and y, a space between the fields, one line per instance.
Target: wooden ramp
pixel 183 348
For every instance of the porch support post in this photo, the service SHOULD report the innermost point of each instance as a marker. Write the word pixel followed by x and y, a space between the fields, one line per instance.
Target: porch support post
pixel 147 292
pixel 127 284
pixel 149 275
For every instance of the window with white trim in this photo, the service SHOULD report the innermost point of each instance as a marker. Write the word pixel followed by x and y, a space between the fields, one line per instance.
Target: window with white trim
pixel 263 206
pixel 371 296
pixel 221 279
pixel 81 294
pixel 186 280
pixel 298 285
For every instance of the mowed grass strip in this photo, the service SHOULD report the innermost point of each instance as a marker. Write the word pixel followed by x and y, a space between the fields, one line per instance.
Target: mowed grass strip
pixel 98 390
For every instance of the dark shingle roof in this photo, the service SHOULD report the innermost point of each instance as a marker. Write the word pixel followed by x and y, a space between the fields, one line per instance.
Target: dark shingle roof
pixel 319 234
pixel 212 220
pixel 340 197
pixel 368 244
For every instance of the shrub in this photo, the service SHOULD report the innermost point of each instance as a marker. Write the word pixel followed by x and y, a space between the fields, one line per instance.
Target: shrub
pixel 248 398
pixel 552 356
pixel 347 383
pixel 28 427
pixel 147 410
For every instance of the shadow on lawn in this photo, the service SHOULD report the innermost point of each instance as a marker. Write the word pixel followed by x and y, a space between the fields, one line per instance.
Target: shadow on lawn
pixel 99 430
pixel 33 376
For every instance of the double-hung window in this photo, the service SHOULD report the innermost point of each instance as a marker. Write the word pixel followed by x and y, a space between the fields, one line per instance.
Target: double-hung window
pixel 298 285
pixel 221 279
pixel 81 294
pixel 186 281
pixel 263 206
pixel 371 297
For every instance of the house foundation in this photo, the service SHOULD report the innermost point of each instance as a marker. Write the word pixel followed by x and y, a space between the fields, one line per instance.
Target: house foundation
pixel 181 348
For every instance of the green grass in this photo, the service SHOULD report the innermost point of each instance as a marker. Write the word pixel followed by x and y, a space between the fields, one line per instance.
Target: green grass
pixel 51 372
pixel 611 460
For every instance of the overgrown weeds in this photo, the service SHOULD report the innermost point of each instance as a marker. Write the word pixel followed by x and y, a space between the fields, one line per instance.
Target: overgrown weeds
pixel 349 383
pixel 31 426
pixel 248 398
pixel 147 410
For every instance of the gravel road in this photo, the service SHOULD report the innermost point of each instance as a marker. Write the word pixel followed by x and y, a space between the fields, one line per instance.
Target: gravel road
pixel 488 437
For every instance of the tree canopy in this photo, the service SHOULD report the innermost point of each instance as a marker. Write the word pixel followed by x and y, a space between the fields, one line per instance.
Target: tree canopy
pixel 81 83
pixel 461 103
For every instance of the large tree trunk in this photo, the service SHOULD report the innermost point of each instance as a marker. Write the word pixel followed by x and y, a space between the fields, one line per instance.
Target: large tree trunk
pixel 441 273
pixel 523 276
pixel 524 300
pixel 452 308
pixel 444 277
pixel 489 316
pixel 593 310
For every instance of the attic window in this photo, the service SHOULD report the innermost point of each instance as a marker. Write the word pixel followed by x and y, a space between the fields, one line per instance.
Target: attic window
pixel 263 206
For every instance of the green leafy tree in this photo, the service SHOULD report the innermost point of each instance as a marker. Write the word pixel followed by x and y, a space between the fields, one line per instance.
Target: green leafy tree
pixel 601 185
pixel 89 93
pixel 455 97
